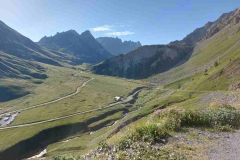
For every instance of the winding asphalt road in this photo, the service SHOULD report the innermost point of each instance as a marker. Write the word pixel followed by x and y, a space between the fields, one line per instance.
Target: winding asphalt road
pixel 129 98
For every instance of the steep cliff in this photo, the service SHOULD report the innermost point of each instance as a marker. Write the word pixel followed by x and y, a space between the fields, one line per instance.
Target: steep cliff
pixel 144 61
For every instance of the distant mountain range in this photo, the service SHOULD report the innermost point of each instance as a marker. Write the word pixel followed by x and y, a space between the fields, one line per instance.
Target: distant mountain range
pixel 83 46
pixel 72 48
pixel 18 53
pixel 116 46
pixel 149 60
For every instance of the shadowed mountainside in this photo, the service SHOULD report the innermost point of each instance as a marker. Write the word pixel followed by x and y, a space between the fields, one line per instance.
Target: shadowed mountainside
pixel 83 46
pixel 11 66
pixel 13 43
pixel 144 61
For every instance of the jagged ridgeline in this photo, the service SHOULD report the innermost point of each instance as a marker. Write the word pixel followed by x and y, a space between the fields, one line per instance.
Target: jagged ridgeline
pixel 83 46
pixel 145 61
pixel 116 46
pixel 153 59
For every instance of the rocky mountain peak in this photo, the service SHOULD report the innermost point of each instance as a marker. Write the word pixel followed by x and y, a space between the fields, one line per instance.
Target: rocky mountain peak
pixel 87 34
pixel 73 31
pixel 82 45
pixel 208 25
pixel 116 46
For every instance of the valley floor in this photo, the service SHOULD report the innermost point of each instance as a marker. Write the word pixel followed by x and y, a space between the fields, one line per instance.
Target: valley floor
pixel 79 112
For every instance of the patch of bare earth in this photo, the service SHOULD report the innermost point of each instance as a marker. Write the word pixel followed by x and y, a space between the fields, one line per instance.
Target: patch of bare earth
pixel 210 145
pixel 227 147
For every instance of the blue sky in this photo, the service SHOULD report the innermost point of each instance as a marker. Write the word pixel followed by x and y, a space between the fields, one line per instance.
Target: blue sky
pixel 147 21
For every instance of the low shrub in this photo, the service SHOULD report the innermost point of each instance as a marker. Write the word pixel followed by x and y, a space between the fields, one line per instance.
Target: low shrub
pixel 146 133
pixel 224 115
pixel 62 157
pixel 170 119
pixel 149 133
pixel 191 118
pixel 125 142
pixel 163 122
pixel 103 146
pixel 216 64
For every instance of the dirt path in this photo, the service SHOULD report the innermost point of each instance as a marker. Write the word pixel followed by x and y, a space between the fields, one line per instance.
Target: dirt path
pixel 129 98
pixel 209 145
pixel 227 147
pixel 53 101
pixel 27 100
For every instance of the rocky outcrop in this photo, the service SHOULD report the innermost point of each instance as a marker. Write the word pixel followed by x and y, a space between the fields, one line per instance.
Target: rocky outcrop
pixel 235 86
pixel 195 36
pixel 211 28
pixel 115 45
pixel 83 46
pixel 231 18
pixel 231 70
pixel 144 61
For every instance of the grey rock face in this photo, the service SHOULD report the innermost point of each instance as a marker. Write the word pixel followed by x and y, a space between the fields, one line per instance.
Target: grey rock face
pixel 211 28
pixel 144 61
pixel 115 45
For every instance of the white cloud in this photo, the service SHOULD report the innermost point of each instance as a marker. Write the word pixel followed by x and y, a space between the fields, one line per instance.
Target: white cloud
pixel 102 28
pixel 109 27
pixel 122 25
pixel 120 33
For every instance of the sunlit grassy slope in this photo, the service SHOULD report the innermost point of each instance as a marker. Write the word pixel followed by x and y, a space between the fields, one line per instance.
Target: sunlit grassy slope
pixel 201 82
pixel 97 93
pixel 220 48
pixel 150 100
pixel 62 81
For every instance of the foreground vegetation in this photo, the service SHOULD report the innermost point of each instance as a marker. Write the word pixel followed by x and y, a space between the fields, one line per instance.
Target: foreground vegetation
pixel 181 103
pixel 147 140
